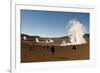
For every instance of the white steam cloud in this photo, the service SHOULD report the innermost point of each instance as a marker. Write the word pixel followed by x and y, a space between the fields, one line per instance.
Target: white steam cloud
pixel 76 32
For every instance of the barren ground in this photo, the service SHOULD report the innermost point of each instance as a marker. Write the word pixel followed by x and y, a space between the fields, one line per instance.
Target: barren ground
pixel 35 52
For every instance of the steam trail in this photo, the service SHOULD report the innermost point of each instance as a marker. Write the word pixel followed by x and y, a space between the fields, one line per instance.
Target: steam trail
pixel 76 32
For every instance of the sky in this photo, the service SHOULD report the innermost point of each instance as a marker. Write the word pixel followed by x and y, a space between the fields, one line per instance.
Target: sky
pixel 50 23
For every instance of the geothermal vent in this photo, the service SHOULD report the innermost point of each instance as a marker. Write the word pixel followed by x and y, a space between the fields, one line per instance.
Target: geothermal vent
pixel 76 32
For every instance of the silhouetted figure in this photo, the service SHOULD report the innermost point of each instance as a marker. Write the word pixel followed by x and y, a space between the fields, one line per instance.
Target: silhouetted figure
pixel 52 49
pixel 47 47
pixel 74 47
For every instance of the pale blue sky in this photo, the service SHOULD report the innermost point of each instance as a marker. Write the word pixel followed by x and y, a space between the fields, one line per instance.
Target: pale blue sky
pixel 50 23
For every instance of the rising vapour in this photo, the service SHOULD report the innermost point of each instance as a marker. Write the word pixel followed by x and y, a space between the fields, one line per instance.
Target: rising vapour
pixel 76 32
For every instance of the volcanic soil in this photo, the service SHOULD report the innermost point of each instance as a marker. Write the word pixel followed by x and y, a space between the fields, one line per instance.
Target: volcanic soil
pixel 32 51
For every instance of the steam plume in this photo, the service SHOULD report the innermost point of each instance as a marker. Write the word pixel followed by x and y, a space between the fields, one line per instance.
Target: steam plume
pixel 76 32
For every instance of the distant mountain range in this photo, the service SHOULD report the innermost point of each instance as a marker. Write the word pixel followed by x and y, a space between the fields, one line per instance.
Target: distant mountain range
pixel 29 35
pixel 58 39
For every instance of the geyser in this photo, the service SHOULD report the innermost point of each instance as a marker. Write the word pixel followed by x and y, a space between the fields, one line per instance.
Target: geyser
pixel 76 32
